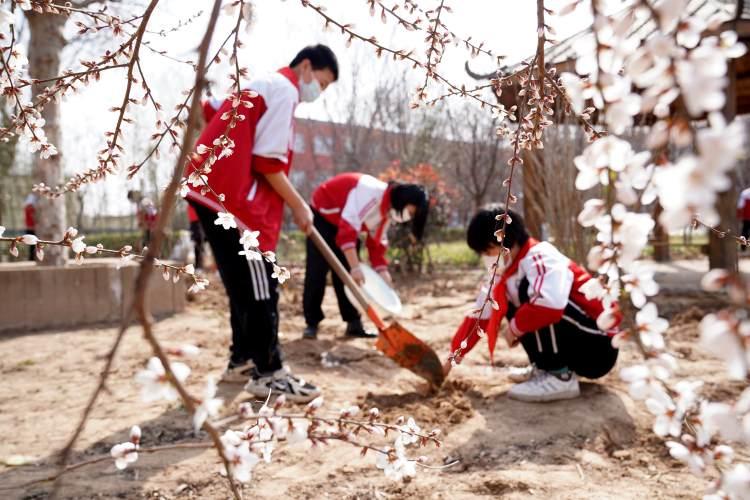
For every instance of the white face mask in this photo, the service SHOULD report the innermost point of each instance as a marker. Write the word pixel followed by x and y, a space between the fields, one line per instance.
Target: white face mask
pixel 489 262
pixel 308 92
pixel 400 217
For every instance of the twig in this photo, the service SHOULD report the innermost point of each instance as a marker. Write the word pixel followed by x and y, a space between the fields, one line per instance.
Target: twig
pixel 140 305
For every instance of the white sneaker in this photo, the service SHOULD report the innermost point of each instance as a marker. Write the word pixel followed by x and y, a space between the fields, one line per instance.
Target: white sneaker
pixel 238 373
pixel 282 382
pixel 520 374
pixel 545 386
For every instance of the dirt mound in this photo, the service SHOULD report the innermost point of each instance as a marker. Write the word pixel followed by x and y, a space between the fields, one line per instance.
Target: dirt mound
pixel 450 404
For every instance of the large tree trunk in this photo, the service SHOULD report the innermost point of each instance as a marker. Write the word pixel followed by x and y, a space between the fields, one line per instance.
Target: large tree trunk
pixel 534 191
pixel 45 47
pixel 722 252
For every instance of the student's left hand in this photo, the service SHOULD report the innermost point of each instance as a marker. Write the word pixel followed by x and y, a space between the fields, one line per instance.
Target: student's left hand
pixel 511 339
pixel 386 277
pixel 447 366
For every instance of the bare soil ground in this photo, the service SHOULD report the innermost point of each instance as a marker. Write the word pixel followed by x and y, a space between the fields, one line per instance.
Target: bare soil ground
pixel 598 446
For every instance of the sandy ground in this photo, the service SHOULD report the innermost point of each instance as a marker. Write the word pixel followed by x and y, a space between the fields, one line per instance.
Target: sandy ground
pixel 597 446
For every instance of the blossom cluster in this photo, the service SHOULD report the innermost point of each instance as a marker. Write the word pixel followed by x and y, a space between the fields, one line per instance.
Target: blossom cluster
pixel 243 449
pixel 676 73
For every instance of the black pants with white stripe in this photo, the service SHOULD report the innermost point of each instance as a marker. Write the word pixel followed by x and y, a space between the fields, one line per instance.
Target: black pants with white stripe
pixel 574 343
pixel 253 297
pixel 316 274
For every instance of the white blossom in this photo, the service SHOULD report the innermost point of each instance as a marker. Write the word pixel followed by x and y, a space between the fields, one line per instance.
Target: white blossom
pixel 720 338
pixel 29 239
pixel 682 453
pixel 77 245
pixel 124 454
pixel 736 481
pixel 639 283
pixel 396 465
pixel 226 220
pixel 237 452
pixel 651 327
pixel 280 273
pixel 668 420
pixel 409 432
pixel 249 239
pixel 154 382
pixel 198 285
pixel 209 405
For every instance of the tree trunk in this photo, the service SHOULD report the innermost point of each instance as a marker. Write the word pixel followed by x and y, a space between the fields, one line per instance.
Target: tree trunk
pixel 534 191
pixel 46 43
pixel 661 238
pixel 722 252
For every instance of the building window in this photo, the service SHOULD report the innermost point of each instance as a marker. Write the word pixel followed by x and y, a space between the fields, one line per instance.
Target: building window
pixel 322 145
pixel 299 143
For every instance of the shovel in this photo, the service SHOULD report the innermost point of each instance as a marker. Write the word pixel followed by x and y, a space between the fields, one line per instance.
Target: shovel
pixel 395 341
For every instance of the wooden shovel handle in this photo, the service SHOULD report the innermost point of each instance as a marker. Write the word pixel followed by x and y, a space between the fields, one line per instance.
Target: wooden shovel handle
pixel 342 273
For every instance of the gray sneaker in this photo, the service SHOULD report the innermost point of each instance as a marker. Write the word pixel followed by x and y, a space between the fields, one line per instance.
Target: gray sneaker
pixel 238 373
pixel 281 381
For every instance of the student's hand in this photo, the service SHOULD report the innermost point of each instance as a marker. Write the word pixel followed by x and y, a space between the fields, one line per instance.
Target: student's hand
pixel 358 275
pixel 386 277
pixel 303 217
pixel 511 339
pixel 447 366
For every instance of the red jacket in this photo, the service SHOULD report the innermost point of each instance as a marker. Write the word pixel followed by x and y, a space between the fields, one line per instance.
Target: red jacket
pixel 554 280
pixel 743 205
pixel 28 212
pixel 357 202
pixel 191 214
pixel 262 145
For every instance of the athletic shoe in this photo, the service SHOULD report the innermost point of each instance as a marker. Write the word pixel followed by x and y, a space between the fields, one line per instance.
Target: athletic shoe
pixel 238 373
pixel 354 329
pixel 311 332
pixel 520 374
pixel 282 382
pixel 546 387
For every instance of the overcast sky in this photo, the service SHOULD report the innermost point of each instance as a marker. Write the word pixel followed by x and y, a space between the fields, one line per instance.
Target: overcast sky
pixel 280 29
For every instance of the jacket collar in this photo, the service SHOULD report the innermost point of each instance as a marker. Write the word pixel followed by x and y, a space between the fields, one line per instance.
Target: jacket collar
pixel 513 267
pixel 290 75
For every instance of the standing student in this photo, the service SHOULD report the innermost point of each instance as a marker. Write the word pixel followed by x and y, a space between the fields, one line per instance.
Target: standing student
pixel 254 181
pixel 343 207
pixel 29 216
pixel 743 214
pixel 196 235
pixel 538 292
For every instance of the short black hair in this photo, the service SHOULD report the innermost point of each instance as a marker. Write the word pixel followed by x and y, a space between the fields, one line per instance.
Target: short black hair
pixel 481 233
pixel 404 194
pixel 320 56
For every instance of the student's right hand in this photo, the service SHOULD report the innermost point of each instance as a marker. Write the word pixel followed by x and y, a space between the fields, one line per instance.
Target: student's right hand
pixel 303 217
pixel 358 275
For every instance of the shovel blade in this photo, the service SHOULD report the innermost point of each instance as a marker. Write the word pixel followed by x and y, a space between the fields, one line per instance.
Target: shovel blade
pixel 408 351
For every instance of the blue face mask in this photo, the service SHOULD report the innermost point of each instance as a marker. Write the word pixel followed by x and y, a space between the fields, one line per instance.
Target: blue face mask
pixel 308 92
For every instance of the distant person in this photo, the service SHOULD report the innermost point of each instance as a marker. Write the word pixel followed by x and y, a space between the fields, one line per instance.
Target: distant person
pixel 343 207
pixel 743 214
pixel 196 235
pixel 538 292
pixel 29 216
pixel 145 215
pixel 254 180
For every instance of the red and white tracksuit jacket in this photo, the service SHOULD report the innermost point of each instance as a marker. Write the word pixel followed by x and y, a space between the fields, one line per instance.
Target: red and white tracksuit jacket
pixel 357 202
pixel 553 281
pixel 262 145
pixel 743 205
